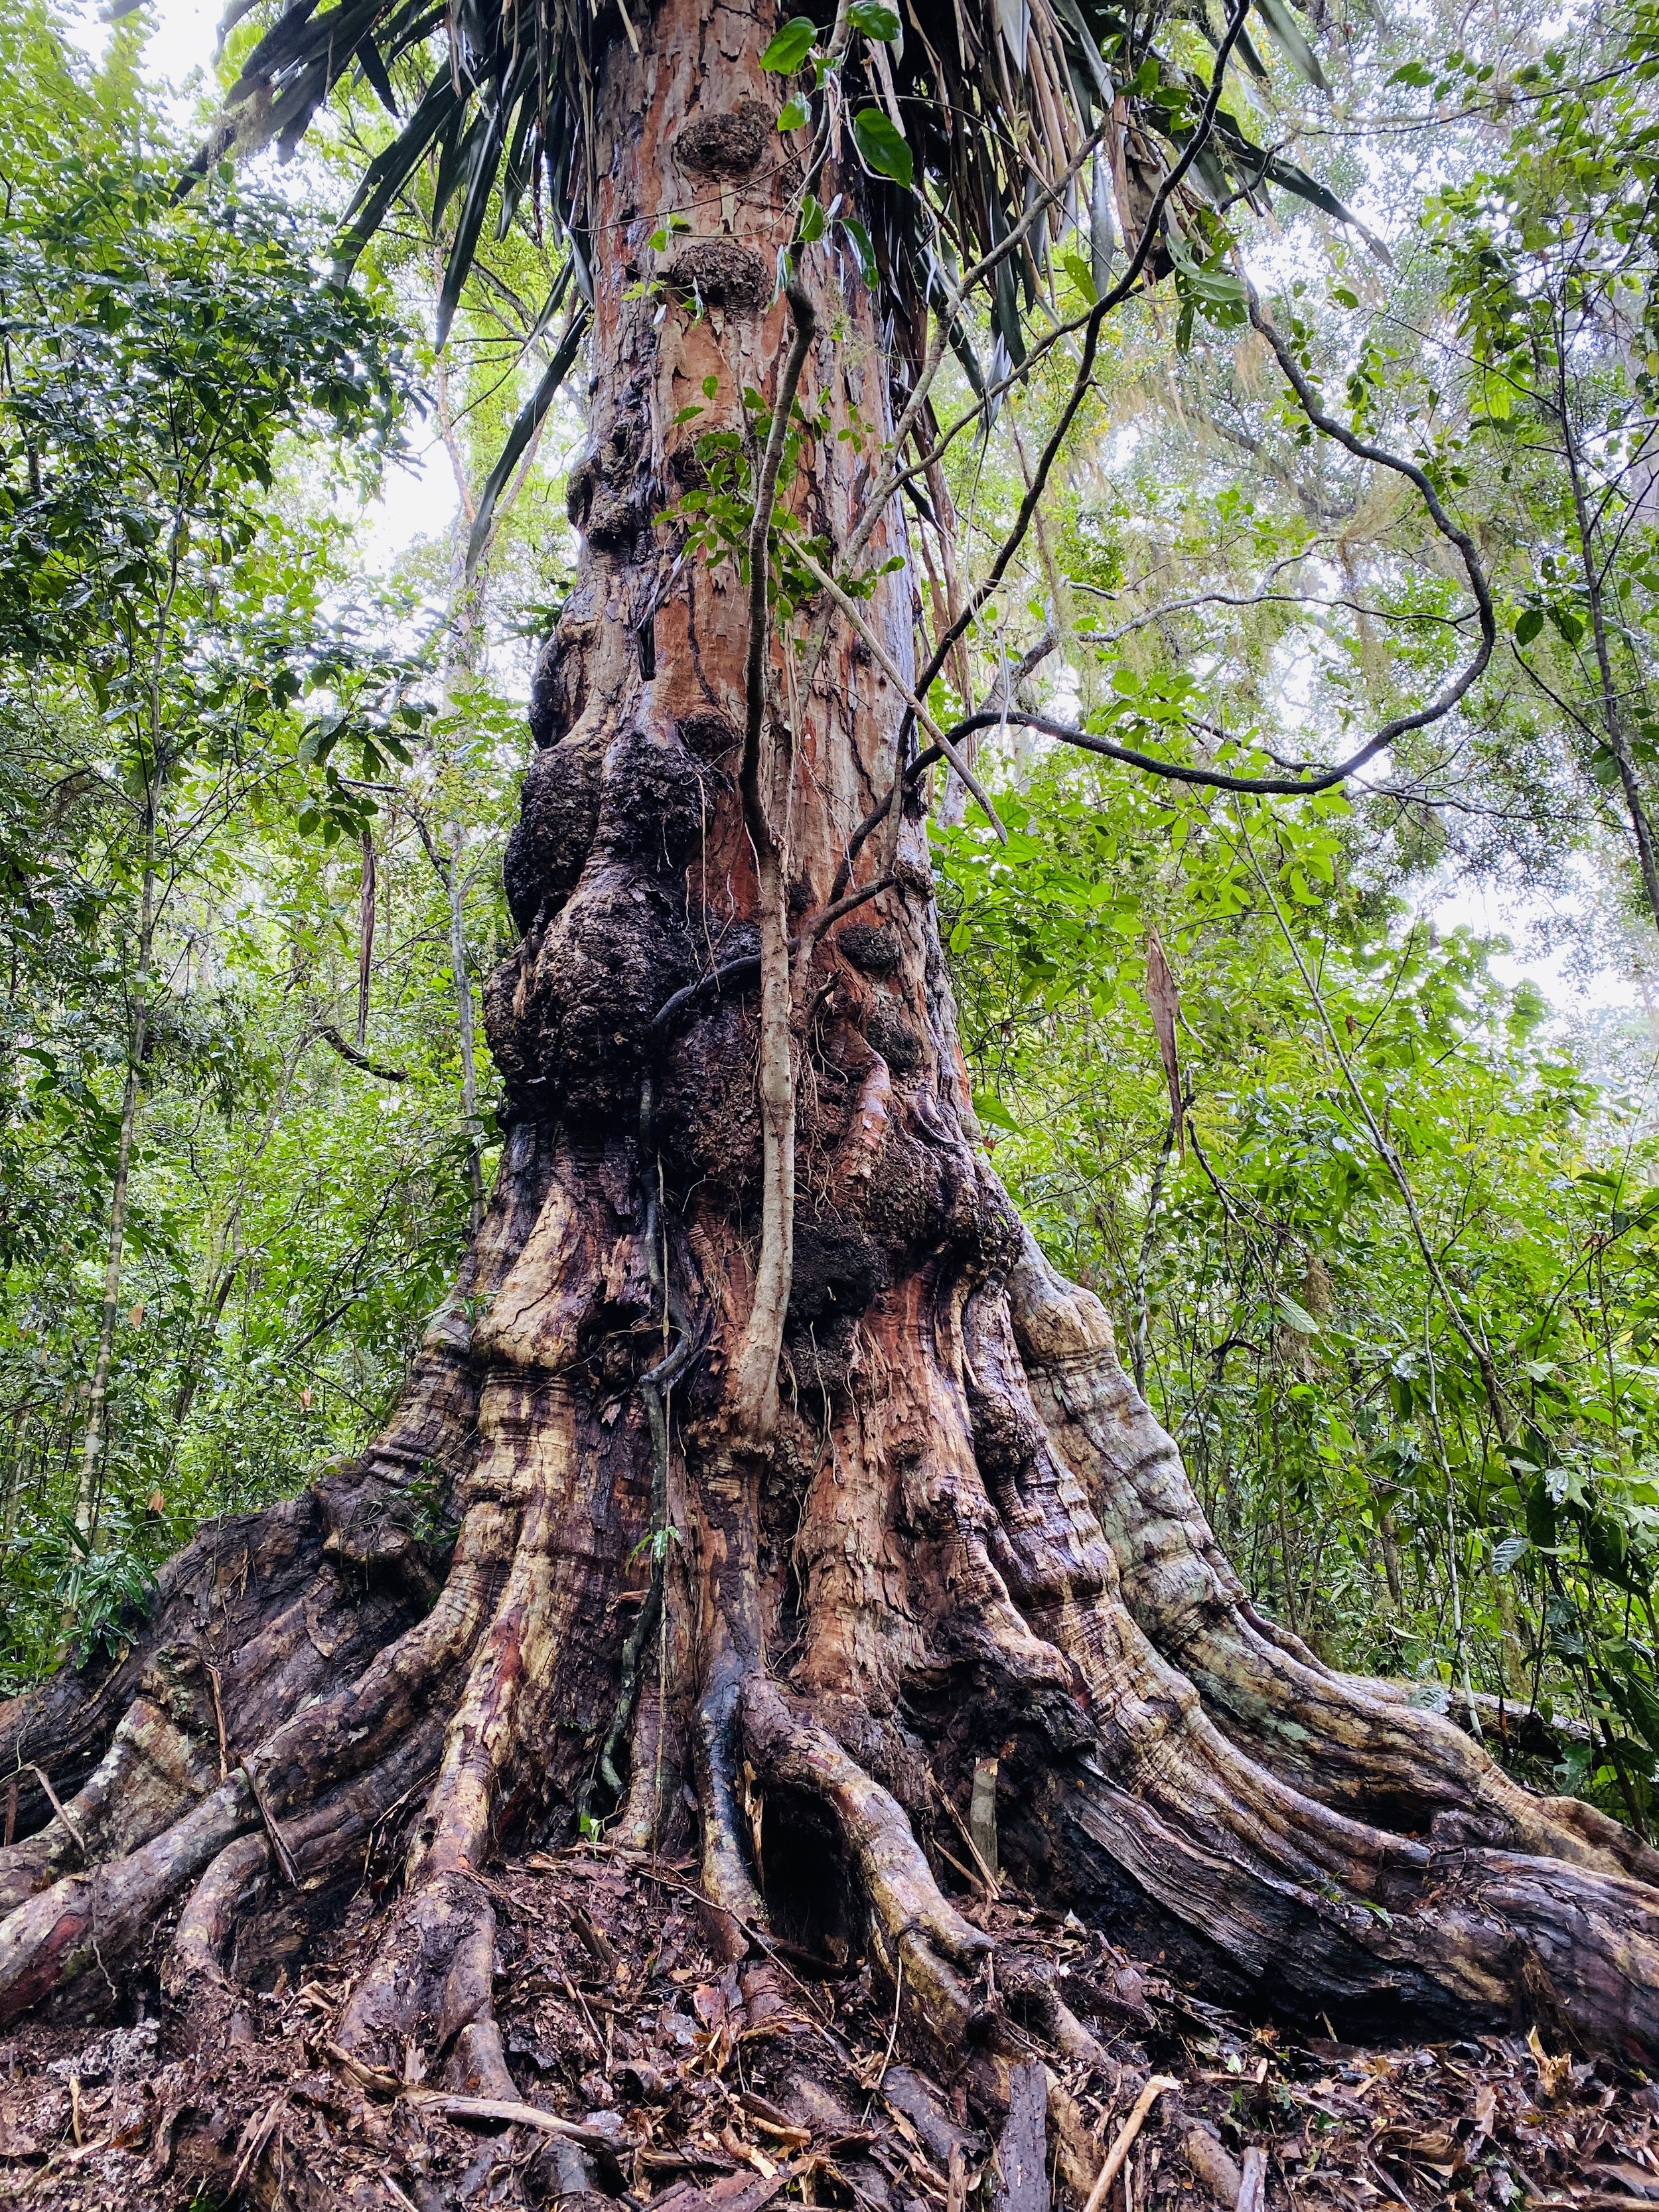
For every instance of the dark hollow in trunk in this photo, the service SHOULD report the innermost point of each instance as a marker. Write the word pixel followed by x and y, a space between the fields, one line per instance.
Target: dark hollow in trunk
pixel 789 1642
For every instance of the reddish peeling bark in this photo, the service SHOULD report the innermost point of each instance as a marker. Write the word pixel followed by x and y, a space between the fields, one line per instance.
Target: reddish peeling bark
pixel 958 1534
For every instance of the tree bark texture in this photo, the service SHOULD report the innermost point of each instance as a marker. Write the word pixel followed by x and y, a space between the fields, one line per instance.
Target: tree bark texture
pixel 963 1539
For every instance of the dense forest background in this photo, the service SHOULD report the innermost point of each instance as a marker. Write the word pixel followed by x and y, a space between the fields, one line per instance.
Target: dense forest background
pixel 1379 1231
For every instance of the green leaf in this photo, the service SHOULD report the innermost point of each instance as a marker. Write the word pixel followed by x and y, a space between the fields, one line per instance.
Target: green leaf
pixel 862 246
pixel 789 47
pixel 811 219
pixel 791 116
pixel 883 145
pixel 1295 1317
pixel 875 21
pixel 1081 274
pixel 525 424
pixel 988 1107
pixel 1528 625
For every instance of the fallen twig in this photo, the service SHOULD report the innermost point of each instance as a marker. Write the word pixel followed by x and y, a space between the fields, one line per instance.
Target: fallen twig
pixel 1124 2142
pixel 514 2114
pixel 284 1858
pixel 62 1811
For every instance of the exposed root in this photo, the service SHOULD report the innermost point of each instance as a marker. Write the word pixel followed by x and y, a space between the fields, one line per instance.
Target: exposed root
pixel 1301 1895
pixel 726 1629
pixel 87 1921
pixel 432 1978
pixel 916 1921
pixel 232 1885
pixel 1352 1743
pixel 160 1761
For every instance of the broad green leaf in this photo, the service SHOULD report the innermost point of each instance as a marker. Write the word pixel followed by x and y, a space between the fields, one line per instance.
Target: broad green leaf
pixel 882 145
pixel 874 20
pixel 988 1107
pixel 1295 1317
pixel 788 48
pixel 1080 273
pixel 863 247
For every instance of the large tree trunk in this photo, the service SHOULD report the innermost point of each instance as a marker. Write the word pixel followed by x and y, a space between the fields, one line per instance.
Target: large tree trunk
pixel 964 1537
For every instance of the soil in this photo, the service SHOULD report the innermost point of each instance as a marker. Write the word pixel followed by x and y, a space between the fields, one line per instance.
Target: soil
pixel 700 2092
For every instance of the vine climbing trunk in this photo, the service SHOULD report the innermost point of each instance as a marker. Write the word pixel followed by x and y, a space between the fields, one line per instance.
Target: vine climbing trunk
pixel 787 1486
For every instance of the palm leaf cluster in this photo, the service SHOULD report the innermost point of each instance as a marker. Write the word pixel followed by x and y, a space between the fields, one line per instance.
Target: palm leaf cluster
pixel 1001 103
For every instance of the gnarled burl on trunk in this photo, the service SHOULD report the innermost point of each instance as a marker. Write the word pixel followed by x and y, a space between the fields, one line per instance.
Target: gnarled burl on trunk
pixel 787 1481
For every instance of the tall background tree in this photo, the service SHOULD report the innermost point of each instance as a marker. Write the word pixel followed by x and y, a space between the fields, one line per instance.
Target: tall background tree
pixel 761 1483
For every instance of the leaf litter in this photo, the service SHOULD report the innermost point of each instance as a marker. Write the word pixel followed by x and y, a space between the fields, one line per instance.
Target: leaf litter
pixel 647 2081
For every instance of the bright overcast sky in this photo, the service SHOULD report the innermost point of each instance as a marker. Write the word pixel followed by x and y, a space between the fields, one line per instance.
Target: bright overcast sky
pixel 183 37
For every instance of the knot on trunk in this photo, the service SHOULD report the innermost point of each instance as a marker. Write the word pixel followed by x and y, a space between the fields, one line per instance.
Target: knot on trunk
pixel 370 1519
pixel 558 689
pixel 1006 1438
pixel 873 947
pixel 559 813
pixel 608 495
pixel 568 1011
pixel 655 800
pixel 727 145
pixel 895 1037
pixel 708 1118
pixel 719 272
pixel 709 734
pixel 839 1268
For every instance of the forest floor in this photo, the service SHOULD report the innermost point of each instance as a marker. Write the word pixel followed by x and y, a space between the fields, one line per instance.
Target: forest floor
pixel 619 2022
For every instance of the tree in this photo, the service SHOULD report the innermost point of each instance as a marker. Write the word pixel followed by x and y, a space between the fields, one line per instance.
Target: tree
pixel 759 1455
pixel 1551 270
pixel 149 380
pixel 159 627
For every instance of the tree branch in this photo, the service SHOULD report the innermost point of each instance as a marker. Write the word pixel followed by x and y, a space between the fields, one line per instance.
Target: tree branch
pixel 331 1036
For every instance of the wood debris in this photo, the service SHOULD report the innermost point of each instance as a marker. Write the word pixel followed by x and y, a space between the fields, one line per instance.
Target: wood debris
pixel 651 2075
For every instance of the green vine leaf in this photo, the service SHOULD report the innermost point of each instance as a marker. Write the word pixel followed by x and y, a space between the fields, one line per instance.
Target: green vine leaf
pixel 874 20
pixel 789 47
pixel 883 145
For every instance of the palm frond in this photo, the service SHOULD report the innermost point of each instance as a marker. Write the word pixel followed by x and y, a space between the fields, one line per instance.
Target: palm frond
pixel 527 423
pixel 1063 115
